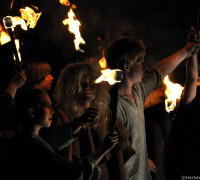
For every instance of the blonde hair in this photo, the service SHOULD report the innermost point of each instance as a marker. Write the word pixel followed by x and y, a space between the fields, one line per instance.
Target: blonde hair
pixel 124 51
pixel 69 84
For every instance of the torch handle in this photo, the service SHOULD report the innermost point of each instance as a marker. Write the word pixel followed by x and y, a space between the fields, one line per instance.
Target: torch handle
pixel 197 23
pixel 114 100
pixel 19 68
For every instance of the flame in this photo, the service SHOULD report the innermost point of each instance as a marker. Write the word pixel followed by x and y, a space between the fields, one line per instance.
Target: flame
pixel 107 74
pixel 74 28
pixel 17 46
pixel 28 14
pixel 65 2
pixel 103 63
pixel 4 36
pixel 173 92
pixel 11 4
pixel 14 21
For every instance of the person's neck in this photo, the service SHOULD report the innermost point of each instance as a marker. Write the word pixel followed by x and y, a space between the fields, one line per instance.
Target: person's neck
pixel 33 129
pixel 125 87
pixel 36 130
pixel 125 90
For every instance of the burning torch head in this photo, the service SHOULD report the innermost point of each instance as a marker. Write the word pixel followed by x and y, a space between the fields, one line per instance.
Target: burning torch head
pixel 111 76
pixel 8 22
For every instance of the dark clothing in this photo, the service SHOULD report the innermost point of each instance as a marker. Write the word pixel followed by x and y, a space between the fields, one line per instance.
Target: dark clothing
pixel 186 141
pixel 6 102
pixel 88 141
pixel 30 157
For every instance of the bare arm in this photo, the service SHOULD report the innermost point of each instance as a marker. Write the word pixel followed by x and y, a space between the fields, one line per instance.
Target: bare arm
pixel 167 65
pixel 191 80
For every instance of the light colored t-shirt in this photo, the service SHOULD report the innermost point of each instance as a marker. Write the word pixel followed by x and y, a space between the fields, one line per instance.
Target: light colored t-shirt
pixel 132 115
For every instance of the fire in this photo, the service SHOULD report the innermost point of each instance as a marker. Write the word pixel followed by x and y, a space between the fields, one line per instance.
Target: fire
pixel 4 36
pixel 74 24
pixel 108 75
pixel 11 22
pixel 173 92
pixel 65 2
pixel 28 14
pixel 111 76
pixel 17 47
pixel 103 63
pixel 11 4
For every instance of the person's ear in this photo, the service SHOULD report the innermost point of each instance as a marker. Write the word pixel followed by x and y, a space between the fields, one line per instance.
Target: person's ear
pixel 31 112
pixel 126 67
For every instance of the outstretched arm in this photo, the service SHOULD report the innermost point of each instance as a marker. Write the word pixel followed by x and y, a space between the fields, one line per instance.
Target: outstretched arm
pixel 167 65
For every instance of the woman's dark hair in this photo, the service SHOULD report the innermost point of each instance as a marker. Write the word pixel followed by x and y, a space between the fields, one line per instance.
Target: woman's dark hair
pixel 25 100
pixel 36 71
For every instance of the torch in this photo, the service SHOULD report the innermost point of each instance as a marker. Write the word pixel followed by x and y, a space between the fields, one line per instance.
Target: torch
pixel 113 77
pixel 8 23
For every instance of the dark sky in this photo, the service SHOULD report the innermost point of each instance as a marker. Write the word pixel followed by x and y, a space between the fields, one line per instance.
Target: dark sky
pixel 162 25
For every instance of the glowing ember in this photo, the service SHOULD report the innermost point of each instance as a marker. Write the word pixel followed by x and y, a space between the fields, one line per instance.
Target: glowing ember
pixel 17 47
pixel 74 24
pixel 173 92
pixel 28 14
pixel 11 4
pixel 4 36
pixel 65 2
pixel 198 81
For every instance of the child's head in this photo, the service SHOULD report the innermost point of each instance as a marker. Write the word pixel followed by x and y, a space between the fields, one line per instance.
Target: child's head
pixel 33 107
pixel 38 74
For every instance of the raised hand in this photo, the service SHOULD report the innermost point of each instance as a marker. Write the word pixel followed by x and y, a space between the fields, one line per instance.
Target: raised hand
pixel 19 79
pixel 193 37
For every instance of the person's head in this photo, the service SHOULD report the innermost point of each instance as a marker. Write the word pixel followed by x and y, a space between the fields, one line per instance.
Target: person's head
pixel 127 55
pixel 38 74
pixel 124 52
pixel 75 87
pixel 33 108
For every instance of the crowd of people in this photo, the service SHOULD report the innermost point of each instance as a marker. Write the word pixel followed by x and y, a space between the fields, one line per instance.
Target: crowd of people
pixel 69 134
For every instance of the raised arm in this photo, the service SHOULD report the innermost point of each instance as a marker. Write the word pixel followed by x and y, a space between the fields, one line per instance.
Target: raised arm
pixel 191 80
pixel 167 65
pixel 15 83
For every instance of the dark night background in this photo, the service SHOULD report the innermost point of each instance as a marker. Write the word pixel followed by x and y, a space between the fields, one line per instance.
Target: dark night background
pixel 162 25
